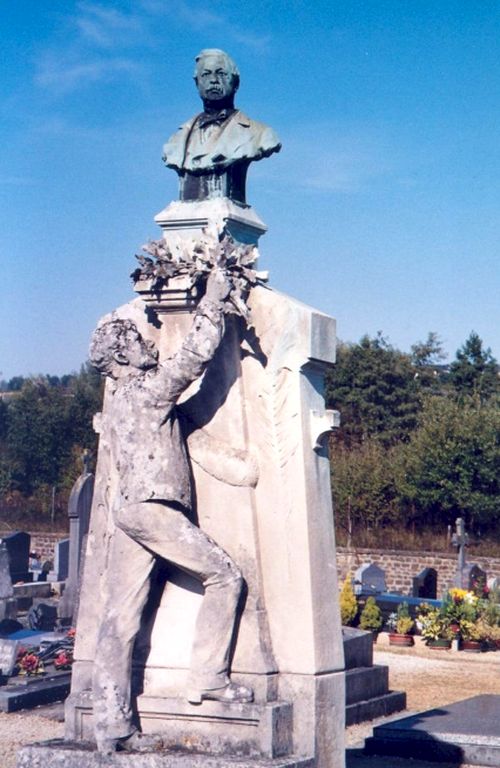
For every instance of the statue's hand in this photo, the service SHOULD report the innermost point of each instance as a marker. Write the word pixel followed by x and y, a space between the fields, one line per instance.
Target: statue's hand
pixel 218 285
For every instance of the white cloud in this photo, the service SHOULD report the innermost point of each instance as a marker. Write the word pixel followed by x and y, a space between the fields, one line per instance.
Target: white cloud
pixel 64 75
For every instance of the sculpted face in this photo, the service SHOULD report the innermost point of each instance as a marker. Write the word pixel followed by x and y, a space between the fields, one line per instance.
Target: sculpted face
pixel 139 353
pixel 214 80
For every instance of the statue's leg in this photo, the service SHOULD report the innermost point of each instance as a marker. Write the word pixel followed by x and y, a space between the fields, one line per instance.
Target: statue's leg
pixel 127 586
pixel 166 531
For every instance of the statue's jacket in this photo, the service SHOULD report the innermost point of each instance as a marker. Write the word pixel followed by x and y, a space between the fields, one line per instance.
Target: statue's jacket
pixel 237 139
pixel 141 427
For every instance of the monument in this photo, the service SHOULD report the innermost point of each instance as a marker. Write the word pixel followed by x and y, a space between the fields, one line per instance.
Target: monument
pixel 208 628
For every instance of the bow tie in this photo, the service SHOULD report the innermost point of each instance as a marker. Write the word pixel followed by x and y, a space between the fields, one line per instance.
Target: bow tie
pixel 214 118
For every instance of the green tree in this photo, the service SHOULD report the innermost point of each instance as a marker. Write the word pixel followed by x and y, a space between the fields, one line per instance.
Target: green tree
pixel 373 387
pixel 365 485
pixel 475 370
pixel 427 360
pixel 452 464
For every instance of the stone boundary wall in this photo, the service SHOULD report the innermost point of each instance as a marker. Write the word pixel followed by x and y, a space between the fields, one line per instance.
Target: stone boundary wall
pixel 400 567
pixel 43 542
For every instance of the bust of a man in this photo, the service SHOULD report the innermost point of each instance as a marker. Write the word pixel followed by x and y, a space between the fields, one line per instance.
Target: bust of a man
pixel 212 151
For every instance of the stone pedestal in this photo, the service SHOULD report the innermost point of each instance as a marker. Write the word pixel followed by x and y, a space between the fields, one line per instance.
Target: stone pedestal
pixel 188 219
pixel 255 428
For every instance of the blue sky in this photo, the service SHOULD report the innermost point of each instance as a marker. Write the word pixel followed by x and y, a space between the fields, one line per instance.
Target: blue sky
pixel 383 206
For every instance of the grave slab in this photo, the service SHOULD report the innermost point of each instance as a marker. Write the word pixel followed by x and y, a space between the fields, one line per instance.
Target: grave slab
pixel 32 692
pixel 463 732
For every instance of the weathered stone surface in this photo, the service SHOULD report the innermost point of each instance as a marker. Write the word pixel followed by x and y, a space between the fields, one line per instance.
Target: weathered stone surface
pixel 213 727
pixel 262 395
pixel 60 754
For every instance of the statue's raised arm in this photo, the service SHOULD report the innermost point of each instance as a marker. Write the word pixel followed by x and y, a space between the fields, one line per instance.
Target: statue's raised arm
pixel 212 151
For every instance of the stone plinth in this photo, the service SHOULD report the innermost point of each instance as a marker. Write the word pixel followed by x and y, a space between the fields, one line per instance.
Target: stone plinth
pixel 61 754
pixel 250 730
pixel 188 219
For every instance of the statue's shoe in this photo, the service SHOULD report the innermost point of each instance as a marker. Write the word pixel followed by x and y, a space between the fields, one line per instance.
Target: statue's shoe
pixel 136 742
pixel 232 693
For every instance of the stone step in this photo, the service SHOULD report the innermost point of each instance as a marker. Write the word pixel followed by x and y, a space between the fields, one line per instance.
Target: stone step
pixel 380 706
pixel 358 647
pixel 365 683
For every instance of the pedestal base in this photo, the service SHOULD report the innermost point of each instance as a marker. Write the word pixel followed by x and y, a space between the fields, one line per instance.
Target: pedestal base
pixel 63 754
pixel 254 730
pixel 188 219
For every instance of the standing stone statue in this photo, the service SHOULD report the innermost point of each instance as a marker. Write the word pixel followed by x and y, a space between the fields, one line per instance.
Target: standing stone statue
pixel 212 151
pixel 152 504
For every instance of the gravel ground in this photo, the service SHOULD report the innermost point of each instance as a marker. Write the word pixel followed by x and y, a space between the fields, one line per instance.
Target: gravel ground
pixel 430 679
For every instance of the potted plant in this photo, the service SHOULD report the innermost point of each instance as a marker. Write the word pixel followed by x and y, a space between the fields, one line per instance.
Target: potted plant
pixel 434 627
pixel 470 634
pixel 371 617
pixel 401 625
pixel 488 633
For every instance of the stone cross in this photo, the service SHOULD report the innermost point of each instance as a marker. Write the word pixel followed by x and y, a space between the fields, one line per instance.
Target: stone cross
pixel 460 539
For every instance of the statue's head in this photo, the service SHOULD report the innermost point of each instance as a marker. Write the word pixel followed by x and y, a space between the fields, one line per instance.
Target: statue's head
pixel 117 348
pixel 216 75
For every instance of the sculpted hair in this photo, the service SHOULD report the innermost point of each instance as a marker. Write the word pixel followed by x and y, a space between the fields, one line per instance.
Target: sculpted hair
pixel 107 339
pixel 230 63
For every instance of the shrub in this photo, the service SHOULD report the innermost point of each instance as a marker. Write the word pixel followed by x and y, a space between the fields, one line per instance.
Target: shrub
pixel 348 603
pixel 371 616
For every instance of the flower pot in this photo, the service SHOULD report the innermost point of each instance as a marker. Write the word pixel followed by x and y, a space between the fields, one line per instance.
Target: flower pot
pixel 439 643
pixel 471 646
pixel 403 641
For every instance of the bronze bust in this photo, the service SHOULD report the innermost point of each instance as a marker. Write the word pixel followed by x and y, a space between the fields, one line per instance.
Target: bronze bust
pixel 212 151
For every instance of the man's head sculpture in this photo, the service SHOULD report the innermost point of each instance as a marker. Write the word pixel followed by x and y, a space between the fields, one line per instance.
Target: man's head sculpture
pixel 212 151
pixel 216 76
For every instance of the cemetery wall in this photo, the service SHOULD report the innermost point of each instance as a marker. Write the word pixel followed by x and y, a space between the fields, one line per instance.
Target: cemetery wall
pixel 400 567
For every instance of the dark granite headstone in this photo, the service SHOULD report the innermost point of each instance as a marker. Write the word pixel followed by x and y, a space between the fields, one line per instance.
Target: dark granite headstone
pixel 42 617
pixel 61 559
pixel 369 579
pixel 425 584
pixel 18 547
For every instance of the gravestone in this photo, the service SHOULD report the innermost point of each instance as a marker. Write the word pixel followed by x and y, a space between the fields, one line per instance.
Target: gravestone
pixel 473 577
pixel 6 588
pixel 79 505
pixel 425 584
pixel 18 547
pixel 61 560
pixel 369 579
pixel 8 604
pixel 8 655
